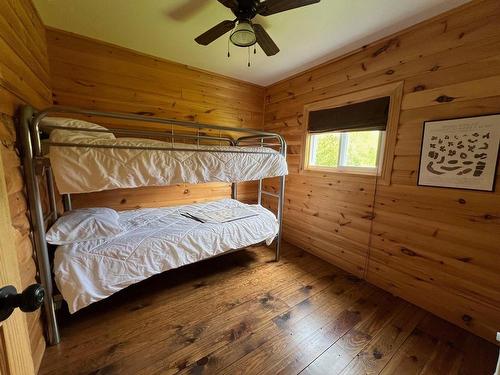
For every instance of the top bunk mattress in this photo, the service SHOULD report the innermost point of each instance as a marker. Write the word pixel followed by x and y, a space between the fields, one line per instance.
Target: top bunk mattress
pixel 89 169
pixel 153 240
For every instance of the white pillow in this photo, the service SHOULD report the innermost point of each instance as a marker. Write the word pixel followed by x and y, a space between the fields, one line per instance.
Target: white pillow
pixel 60 135
pixel 84 224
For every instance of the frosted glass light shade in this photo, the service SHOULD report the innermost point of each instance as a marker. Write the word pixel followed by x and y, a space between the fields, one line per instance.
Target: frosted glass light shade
pixel 243 35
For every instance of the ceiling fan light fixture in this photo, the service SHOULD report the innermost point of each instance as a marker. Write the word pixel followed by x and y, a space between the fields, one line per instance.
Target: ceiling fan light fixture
pixel 243 34
pixel 246 33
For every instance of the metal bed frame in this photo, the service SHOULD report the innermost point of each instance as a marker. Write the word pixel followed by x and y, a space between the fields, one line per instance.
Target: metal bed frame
pixel 37 168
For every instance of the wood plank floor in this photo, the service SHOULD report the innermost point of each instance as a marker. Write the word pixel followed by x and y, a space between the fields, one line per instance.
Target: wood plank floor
pixel 243 313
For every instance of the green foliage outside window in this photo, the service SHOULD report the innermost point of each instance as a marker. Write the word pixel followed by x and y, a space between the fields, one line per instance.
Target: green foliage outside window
pixel 360 149
pixel 327 150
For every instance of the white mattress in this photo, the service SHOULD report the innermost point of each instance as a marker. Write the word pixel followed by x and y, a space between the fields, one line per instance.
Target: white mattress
pixel 155 240
pixel 83 170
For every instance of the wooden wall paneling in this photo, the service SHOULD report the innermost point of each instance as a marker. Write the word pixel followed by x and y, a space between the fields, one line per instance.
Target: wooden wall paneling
pixel 434 247
pixel 78 44
pixel 24 79
pixel 91 74
pixel 325 211
pixel 463 91
pixel 152 196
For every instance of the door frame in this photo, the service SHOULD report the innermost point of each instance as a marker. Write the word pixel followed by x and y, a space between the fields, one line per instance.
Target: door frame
pixel 15 348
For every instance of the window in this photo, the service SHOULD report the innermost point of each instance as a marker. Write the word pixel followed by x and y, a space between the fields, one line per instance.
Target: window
pixel 355 151
pixel 347 137
pixel 353 133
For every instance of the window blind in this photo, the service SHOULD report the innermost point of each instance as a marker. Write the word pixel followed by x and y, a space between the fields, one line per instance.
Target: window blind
pixel 369 115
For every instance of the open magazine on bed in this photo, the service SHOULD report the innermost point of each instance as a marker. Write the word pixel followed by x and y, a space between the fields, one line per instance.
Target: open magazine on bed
pixel 221 216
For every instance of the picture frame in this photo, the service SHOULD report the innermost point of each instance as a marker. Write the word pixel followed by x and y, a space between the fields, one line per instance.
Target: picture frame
pixel 460 153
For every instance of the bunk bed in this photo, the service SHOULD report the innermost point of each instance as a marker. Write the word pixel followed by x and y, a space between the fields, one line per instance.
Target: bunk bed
pixel 84 157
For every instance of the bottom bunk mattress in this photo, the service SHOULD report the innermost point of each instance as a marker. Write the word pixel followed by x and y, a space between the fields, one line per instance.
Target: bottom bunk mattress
pixel 154 240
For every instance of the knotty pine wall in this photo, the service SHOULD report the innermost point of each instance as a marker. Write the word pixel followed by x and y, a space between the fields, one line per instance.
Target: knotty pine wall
pixel 91 74
pixel 438 248
pixel 24 78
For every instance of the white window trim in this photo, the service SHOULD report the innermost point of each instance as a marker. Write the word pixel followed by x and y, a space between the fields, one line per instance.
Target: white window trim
pixel 312 151
pixel 343 142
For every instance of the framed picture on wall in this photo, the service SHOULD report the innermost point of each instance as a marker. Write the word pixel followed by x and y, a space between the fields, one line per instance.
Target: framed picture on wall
pixel 460 153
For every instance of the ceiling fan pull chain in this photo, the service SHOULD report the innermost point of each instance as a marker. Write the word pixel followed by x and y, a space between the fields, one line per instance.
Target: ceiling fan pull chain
pixel 249 57
pixel 228 54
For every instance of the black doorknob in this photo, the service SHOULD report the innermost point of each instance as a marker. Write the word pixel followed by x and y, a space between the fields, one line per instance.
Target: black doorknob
pixel 29 300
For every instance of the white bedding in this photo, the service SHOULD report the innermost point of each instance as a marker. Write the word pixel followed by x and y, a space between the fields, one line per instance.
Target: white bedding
pixel 154 240
pixel 82 170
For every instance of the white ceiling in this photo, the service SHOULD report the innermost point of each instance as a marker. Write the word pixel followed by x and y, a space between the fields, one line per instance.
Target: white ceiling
pixel 306 36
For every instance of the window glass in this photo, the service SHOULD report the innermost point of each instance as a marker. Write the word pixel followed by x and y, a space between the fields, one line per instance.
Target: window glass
pixel 346 150
pixel 361 149
pixel 325 149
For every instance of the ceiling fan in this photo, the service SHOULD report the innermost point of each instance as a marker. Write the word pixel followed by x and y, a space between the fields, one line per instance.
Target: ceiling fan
pixel 246 33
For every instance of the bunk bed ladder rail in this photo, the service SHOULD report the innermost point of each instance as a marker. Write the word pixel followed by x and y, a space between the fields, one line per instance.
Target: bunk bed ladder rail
pixel 280 194
pixel 34 168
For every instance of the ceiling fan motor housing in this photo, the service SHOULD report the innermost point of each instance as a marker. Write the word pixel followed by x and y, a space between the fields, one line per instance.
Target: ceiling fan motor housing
pixel 247 9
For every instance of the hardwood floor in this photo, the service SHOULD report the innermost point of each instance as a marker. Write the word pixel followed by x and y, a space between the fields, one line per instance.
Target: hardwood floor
pixel 243 313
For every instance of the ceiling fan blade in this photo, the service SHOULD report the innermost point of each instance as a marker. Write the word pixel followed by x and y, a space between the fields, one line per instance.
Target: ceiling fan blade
pixel 187 9
pixel 231 4
pixel 269 7
pixel 215 32
pixel 265 41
